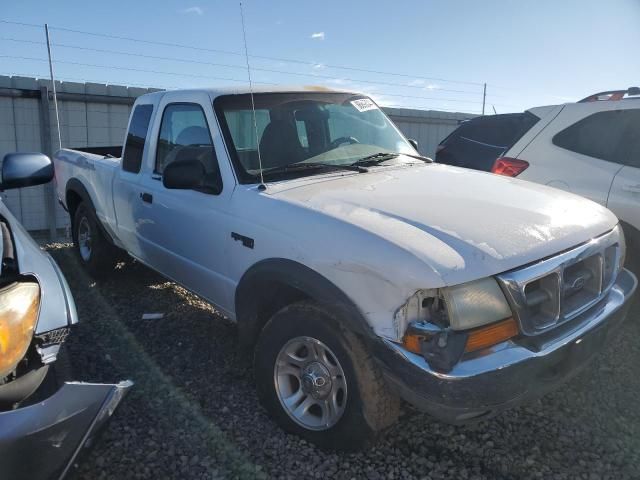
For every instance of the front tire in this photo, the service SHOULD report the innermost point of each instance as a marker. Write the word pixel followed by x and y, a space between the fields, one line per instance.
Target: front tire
pixel 95 252
pixel 317 380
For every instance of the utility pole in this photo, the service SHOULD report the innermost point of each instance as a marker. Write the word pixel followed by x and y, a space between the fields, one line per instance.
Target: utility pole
pixel 53 86
pixel 484 97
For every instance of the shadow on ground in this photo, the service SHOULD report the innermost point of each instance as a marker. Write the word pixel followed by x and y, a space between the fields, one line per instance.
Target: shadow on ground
pixel 194 414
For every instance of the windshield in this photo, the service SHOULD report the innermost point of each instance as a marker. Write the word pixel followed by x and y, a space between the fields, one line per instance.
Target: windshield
pixel 325 128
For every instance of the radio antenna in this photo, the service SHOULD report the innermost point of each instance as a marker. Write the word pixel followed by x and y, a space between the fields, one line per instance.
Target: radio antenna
pixel 262 185
pixel 53 85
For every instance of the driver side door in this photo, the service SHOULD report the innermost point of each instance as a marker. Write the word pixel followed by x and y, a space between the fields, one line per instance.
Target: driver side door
pixel 185 232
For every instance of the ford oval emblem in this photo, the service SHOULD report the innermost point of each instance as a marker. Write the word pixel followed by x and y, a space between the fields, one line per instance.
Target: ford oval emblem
pixel 578 283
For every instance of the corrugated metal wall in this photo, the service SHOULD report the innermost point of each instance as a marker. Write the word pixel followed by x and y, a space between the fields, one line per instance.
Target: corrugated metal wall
pixel 82 123
pixel 99 120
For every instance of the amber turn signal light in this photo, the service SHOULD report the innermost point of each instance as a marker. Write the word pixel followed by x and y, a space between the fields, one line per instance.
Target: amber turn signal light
pixel 412 343
pixel 477 339
pixel 490 335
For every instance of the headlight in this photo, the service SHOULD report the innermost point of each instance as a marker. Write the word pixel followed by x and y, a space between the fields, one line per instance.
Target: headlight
pixel 475 304
pixel 462 319
pixel 19 306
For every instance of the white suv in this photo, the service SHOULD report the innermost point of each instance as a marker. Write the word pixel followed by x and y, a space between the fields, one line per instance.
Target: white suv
pixel 591 148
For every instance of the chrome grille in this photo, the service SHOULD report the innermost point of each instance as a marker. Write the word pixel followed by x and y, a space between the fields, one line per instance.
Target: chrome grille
pixel 558 289
pixel 53 337
pixel 582 284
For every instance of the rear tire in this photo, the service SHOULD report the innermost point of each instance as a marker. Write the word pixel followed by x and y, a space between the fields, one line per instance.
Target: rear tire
pixel 96 253
pixel 318 381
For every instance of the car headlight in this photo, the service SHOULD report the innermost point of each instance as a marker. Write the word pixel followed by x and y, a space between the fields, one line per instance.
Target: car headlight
pixel 474 304
pixel 19 307
pixel 461 319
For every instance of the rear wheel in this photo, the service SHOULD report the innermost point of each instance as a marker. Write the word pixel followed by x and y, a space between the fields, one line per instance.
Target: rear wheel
pixel 95 252
pixel 318 381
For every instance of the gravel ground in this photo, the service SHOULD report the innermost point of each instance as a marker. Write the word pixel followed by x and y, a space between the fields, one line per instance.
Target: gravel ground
pixel 193 412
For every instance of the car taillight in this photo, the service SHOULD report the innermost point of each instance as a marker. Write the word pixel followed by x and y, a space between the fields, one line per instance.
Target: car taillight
pixel 511 167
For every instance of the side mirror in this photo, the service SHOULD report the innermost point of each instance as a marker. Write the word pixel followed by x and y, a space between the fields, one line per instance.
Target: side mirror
pixel 183 175
pixel 414 143
pixel 25 170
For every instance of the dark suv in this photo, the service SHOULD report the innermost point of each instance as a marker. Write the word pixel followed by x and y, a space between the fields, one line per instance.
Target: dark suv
pixel 478 142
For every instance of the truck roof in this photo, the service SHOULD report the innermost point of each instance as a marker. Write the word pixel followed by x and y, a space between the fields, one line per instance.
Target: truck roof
pixel 218 91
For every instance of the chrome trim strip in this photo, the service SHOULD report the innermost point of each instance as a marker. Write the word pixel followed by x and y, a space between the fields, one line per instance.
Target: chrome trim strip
pixel 509 373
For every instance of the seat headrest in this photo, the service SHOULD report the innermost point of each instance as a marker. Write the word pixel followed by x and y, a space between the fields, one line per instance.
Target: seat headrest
pixel 280 144
pixel 194 135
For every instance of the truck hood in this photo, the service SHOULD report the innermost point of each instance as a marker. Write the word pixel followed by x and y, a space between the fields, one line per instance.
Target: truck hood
pixel 464 224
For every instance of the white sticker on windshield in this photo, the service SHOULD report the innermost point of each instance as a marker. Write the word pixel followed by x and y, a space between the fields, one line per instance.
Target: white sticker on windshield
pixel 364 104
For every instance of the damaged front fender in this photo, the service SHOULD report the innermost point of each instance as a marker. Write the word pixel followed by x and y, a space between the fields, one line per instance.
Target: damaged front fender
pixel 41 441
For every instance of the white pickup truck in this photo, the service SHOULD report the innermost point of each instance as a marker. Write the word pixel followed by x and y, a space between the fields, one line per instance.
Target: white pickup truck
pixel 357 271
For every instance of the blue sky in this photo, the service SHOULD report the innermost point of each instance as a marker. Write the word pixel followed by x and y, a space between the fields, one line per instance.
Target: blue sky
pixel 429 54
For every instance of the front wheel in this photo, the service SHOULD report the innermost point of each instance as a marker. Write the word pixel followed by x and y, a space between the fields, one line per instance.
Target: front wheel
pixel 318 381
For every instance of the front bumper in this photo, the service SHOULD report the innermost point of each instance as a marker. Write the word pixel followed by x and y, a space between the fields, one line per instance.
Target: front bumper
pixel 510 373
pixel 43 440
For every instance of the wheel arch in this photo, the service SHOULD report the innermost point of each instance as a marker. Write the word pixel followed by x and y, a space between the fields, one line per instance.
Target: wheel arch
pixel 632 237
pixel 632 234
pixel 271 284
pixel 76 193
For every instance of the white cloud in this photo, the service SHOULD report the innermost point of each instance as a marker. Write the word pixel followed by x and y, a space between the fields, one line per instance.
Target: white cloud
pixel 317 36
pixel 416 83
pixel 196 10
pixel 319 66
pixel 432 86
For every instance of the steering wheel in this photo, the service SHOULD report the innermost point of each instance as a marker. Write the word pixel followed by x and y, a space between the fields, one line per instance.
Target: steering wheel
pixel 340 140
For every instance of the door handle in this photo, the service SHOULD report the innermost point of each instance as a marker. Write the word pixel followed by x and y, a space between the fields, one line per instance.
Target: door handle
pixel 632 188
pixel 146 197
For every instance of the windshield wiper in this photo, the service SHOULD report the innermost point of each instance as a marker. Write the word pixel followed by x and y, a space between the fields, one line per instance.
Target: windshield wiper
pixel 375 158
pixel 380 157
pixel 419 157
pixel 296 167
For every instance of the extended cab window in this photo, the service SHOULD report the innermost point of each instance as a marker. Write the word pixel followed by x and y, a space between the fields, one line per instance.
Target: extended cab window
pixel 134 146
pixel 243 133
pixel 611 136
pixel 185 135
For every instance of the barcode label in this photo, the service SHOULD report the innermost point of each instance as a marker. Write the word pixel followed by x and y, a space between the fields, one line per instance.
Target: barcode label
pixel 364 104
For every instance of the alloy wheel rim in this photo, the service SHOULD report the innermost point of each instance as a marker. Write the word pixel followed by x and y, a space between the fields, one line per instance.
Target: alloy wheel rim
pixel 310 383
pixel 84 238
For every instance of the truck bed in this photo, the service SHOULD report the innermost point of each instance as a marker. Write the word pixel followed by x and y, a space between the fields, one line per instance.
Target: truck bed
pixel 112 151
pixel 95 172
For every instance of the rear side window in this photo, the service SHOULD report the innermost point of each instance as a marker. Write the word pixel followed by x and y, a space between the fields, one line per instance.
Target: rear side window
pixel 243 129
pixel 498 130
pixel 134 146
pixel 611 136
